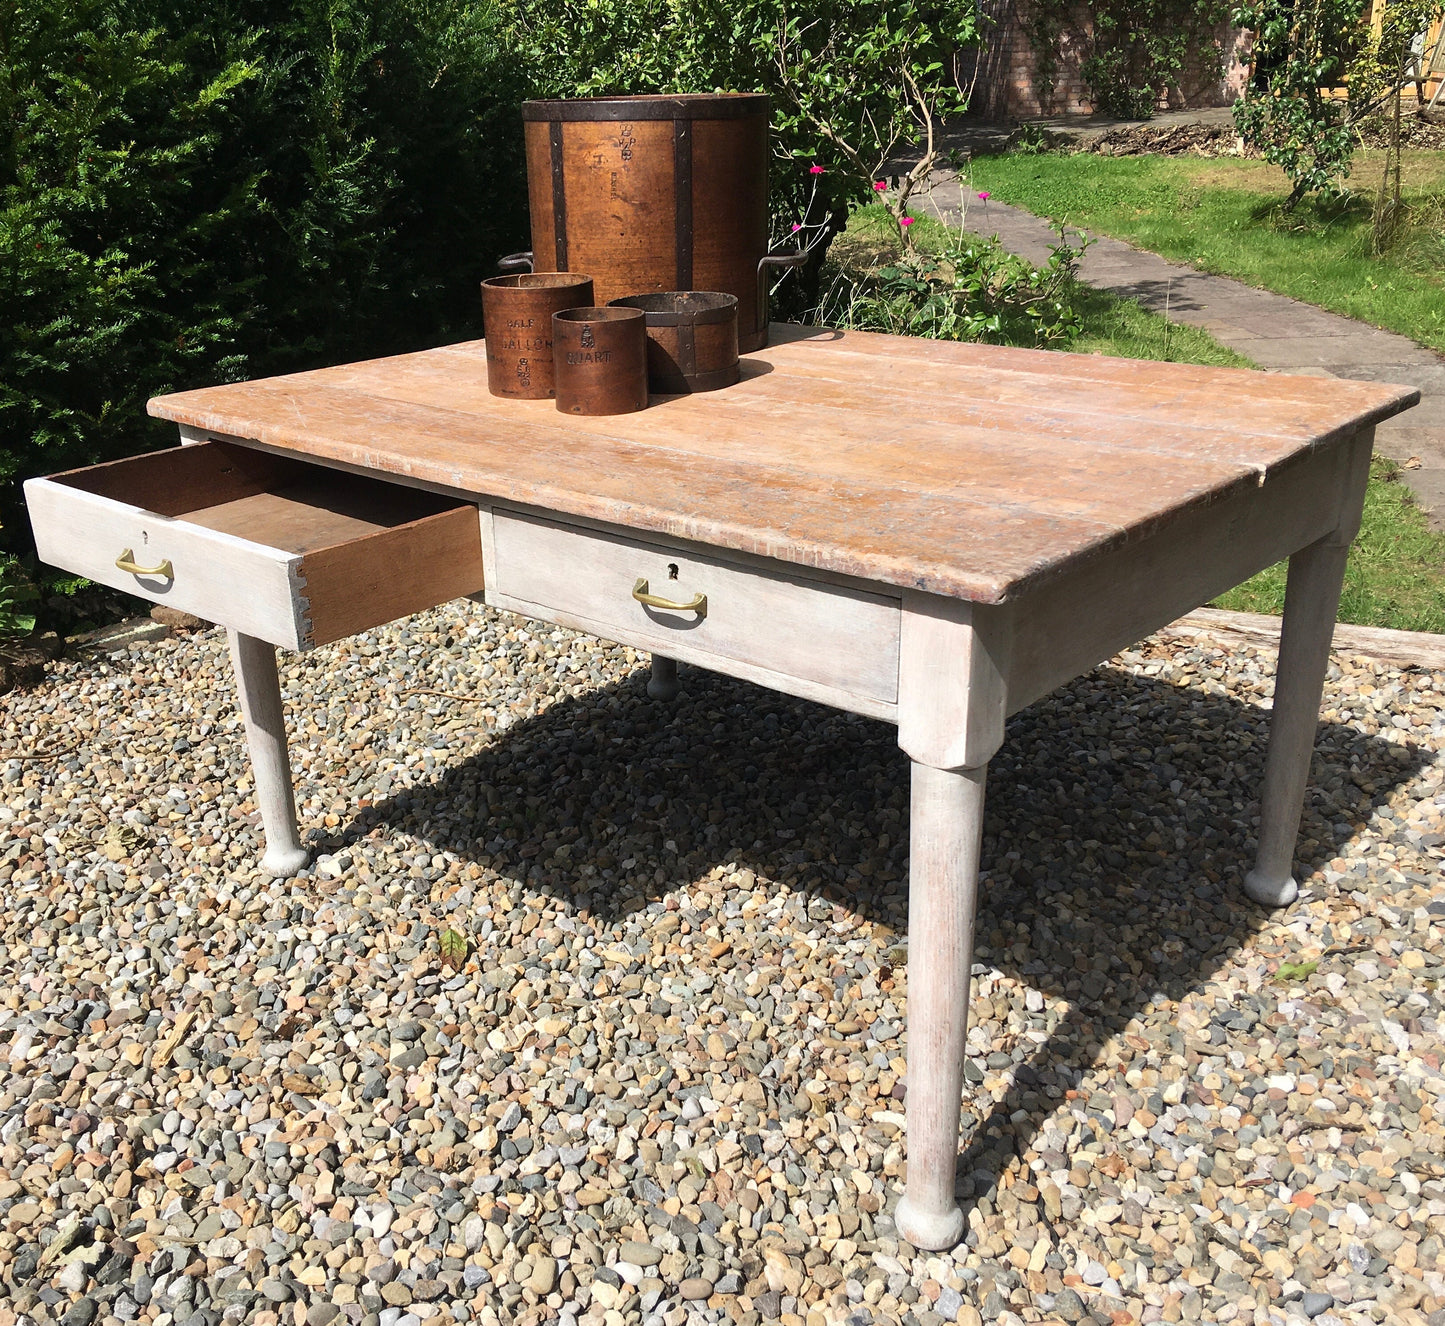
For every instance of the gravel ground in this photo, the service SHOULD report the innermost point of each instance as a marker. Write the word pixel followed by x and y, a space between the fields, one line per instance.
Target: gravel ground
pixel 666 1084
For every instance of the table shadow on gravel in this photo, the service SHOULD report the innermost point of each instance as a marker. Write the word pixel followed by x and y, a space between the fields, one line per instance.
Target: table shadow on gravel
pixel 1120 820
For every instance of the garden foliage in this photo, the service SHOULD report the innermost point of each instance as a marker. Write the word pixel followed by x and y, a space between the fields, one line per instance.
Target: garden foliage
pixel 192 193
pixel 853 82
pixel 967 289
pixel 1307 51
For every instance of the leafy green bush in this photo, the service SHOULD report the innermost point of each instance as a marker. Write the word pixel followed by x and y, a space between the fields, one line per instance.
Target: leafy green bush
pixel 17 599
pixel 105 229
pixel 192 193
pixel 968 289
pixel 1305 52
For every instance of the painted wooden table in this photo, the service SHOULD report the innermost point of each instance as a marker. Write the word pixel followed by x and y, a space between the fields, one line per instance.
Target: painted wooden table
pixel 931 534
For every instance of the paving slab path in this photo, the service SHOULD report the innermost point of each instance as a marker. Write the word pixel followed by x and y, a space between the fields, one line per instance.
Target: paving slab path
pixel 1278 333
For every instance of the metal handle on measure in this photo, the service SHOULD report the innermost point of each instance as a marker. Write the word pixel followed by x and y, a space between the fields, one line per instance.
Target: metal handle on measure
pixel 126 562
pixel 697 604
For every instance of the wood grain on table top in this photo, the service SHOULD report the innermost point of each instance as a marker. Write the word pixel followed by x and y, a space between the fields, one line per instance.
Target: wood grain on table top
pixel 966 470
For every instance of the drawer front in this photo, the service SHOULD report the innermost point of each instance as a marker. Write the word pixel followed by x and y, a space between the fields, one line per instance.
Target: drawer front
pixel 837 639
pixel 272 547
pixel 248 586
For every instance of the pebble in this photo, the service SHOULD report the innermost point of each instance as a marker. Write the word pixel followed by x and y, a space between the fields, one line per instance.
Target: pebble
pixel 544 1276
pixel 639 1254
pixel 666 1084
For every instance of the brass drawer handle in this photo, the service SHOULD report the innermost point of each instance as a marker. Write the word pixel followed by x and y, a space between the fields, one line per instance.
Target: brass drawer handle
pixel 697 604
pixel 126 562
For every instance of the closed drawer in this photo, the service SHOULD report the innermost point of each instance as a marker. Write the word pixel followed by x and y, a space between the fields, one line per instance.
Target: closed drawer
pixel 774 624
pixel 273 547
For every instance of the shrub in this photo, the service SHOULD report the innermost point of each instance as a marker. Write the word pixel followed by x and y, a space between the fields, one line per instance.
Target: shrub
pixel 192 193
pixel 106 227
pixel 969 289
pixel 1306 51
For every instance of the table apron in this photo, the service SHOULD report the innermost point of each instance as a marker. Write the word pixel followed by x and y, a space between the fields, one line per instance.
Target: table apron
pixel 1074 622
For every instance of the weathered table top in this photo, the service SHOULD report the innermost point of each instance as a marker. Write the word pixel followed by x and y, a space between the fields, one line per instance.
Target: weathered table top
pixel 971 471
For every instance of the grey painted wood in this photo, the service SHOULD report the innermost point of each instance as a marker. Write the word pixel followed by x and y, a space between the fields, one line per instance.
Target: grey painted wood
pixel 662 684
pixel 1312 601
pixel 946 828
pixel 85 533
pixel 259 690
pixel 837 641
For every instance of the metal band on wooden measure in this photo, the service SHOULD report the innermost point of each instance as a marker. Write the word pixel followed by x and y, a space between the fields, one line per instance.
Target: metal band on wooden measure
pixel 690 106
pixel 682 199
pixel 559 194
pixel 687 349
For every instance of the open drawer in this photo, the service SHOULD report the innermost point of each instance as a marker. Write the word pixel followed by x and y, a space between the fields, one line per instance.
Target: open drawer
pixel 273 547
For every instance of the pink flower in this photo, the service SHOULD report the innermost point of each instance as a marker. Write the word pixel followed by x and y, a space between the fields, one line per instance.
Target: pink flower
pixel 905 220
pixel 984 196
pixel 880 185
pixel 815 170
pixel 797 225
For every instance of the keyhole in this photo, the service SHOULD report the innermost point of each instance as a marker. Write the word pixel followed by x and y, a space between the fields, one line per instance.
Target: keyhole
pixel 672 570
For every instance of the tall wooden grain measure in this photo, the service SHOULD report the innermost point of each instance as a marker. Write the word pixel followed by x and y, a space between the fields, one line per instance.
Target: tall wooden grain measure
pixel 654 193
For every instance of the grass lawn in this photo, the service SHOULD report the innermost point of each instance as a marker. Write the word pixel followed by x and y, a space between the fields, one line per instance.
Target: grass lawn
pixel 1396 572
pixel 1223 215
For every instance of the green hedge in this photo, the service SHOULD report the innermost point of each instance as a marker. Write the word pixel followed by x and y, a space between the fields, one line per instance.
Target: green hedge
pixel 193 193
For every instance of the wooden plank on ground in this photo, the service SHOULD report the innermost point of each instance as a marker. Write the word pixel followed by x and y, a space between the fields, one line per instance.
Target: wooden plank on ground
pixel 1405 649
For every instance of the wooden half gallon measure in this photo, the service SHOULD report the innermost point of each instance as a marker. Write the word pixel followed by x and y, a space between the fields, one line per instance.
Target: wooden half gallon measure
pixel 517 317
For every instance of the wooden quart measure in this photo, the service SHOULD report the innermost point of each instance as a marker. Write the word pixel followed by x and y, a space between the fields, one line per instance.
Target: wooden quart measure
pixel 601 360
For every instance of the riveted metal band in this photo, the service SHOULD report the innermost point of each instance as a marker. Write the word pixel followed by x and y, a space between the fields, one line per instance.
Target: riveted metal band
pixel 682 199
pixel 559 193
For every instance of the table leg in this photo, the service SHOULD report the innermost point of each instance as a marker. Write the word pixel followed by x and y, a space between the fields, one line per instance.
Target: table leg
pixel 1312 598
pixel 662 685
pixel 260 690
pixel 946 827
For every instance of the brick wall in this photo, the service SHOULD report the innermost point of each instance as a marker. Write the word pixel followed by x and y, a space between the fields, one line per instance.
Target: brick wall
pixel 1005 86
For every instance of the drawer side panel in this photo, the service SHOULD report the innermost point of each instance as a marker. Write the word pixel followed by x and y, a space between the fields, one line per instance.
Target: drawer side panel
pixel 354 586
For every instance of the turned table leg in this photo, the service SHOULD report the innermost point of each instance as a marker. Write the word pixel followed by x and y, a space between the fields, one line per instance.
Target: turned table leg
pixel 946 821
pixel 952 702
pixel 260 690
pixel 1312 598
pixel 662 685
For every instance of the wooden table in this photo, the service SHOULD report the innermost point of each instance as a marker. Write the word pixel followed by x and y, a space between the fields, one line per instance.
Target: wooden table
pixel 932 534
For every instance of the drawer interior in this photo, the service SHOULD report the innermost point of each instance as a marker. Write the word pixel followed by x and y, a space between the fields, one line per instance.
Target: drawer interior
pixel 273 500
